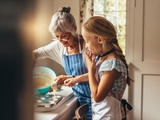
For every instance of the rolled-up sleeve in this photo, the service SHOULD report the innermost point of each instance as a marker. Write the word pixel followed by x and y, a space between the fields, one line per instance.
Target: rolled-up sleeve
pixel 54 51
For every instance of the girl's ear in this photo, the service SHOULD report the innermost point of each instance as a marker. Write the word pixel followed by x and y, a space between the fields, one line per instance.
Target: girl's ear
pixel 100 40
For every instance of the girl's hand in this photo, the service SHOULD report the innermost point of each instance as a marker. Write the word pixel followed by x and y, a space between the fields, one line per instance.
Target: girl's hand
pixel 60 79
pixel 91 61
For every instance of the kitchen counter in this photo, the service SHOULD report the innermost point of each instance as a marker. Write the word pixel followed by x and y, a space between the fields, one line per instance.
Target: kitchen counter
pixel 64 110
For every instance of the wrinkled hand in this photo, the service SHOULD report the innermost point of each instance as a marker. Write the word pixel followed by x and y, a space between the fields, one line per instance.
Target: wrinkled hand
pixel 69 82
pixel 91 61
pixel 60 79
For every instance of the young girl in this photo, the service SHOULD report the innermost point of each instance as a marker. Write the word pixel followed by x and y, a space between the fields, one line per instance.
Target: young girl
pixel 108 70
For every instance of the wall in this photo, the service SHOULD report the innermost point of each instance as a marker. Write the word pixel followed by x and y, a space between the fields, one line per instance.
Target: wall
pixel 142 53
pixel 74 4
pixel 45 10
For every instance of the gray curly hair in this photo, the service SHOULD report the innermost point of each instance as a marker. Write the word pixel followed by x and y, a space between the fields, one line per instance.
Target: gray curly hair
pixel 63 21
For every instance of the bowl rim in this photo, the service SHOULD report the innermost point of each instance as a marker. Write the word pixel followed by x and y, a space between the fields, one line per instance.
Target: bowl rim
pixel 41 66
pixel 43 88
pixel 46 67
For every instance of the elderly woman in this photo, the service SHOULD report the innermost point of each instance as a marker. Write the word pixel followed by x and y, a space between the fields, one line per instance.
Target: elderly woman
pixel 67 50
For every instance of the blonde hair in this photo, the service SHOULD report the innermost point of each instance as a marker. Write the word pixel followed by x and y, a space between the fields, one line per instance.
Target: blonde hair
pixel 99 26
pixel 63 21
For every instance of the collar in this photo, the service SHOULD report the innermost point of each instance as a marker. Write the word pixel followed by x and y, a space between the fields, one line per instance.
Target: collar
pixel 107 53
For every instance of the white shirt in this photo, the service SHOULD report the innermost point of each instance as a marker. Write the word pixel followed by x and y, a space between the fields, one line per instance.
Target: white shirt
pixel 54 51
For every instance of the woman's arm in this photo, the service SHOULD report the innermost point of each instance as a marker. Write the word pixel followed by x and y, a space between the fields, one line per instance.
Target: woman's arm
pixel 53 51
pixel 81 78
pixel 34 58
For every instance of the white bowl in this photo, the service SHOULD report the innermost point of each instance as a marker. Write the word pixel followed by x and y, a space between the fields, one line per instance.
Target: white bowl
pixel 43 78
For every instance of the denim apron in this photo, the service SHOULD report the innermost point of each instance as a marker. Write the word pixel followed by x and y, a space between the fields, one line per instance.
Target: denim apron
pixel 74 65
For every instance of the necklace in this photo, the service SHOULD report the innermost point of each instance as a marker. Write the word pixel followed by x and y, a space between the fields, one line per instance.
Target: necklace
pixel 108 52
pixel 72 50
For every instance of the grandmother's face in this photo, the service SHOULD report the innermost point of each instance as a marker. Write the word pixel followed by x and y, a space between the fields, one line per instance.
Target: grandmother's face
pixel 64 38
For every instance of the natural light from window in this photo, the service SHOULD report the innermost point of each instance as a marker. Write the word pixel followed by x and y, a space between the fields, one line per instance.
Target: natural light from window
pixel 115 11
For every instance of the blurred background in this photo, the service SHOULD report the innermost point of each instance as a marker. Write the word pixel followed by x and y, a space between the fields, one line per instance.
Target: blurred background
pixel 16 33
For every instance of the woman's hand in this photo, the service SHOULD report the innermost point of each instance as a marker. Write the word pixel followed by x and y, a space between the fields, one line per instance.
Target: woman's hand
pixel 70 82
pixel 60 79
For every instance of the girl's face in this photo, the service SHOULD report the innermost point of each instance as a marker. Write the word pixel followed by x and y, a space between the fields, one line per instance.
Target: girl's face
pixel 92 43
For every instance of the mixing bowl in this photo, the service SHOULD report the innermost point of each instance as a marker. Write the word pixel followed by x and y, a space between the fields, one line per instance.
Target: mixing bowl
pixel 43 78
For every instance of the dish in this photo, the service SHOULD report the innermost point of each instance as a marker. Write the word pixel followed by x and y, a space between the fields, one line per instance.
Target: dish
pixel 43 78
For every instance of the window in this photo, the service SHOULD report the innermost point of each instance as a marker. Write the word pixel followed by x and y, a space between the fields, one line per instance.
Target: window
pixel 115 11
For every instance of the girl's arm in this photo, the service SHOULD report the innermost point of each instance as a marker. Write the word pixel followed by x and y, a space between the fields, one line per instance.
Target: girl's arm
pixel 101 90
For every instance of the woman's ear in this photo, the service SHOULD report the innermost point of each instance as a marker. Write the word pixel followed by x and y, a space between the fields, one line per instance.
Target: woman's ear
pixel 100 40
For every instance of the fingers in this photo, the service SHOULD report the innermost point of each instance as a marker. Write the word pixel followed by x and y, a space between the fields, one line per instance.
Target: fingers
pixel 88 54
pixel 60 79
pixel 65 80
pixel 69 82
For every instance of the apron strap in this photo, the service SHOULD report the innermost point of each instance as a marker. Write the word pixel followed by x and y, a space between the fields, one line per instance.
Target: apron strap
pixel 79 45
pixel 126 105
pixel 79 42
